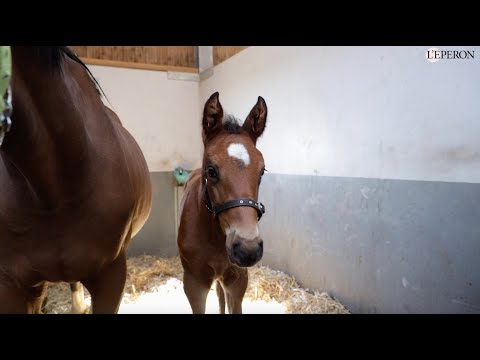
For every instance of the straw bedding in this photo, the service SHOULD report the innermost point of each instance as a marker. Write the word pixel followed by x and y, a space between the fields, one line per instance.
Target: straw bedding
pixel 153 283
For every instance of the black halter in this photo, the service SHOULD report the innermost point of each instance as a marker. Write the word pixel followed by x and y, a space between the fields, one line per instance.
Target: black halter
pixel 215 210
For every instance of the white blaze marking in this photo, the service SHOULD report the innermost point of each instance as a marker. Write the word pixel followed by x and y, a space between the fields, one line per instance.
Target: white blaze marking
pixel 238 151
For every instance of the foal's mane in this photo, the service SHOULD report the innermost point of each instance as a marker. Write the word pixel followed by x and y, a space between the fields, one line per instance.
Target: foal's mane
pixel 232 125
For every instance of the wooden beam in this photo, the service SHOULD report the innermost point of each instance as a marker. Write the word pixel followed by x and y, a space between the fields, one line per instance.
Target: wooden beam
pixel 135 65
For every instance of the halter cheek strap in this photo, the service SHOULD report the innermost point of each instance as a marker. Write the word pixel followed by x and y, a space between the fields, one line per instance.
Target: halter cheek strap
pixel 216 210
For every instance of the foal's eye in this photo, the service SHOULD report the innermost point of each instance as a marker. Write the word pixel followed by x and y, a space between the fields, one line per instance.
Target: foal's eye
pixel 212 173
pixel 261 174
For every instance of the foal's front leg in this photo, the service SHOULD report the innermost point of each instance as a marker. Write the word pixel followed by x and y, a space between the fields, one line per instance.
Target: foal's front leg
pixel 196 290
pixel 235 283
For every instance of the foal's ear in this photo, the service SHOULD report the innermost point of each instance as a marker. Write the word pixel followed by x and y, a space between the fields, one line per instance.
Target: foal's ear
pixel 256 120
pixel 212 116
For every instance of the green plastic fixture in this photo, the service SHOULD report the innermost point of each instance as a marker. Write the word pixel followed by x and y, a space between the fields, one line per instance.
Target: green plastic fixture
pixel 5 73
pixel 181 175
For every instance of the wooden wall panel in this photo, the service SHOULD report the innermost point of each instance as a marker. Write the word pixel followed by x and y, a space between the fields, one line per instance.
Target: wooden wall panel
pixel 183 56
pixel 152 57
pixel 222 53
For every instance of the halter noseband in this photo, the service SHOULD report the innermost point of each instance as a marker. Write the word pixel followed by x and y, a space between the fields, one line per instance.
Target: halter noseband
pixel 216 210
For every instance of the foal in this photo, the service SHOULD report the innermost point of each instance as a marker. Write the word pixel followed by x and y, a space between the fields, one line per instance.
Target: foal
pixel 218 237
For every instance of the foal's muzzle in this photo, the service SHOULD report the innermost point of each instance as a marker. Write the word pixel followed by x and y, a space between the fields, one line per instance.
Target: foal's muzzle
pixel 245 253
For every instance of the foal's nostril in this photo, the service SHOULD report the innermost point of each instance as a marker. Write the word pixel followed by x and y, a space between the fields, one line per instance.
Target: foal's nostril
pixel 236 248
pixel 259 251
pixel 246 252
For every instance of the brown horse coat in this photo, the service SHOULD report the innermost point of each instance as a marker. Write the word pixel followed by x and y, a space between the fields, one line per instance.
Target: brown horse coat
pixel 75 186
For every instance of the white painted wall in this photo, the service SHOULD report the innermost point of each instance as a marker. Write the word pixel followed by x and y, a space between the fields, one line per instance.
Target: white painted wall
pixel 375 112
pixel 162 115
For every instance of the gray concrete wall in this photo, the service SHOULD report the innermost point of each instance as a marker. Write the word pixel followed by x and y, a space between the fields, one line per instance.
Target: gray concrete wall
pixel 379 246
pixel 158 236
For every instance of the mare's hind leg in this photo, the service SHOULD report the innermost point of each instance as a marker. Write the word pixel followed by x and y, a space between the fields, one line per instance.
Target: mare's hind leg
pixel 39 303
pixel 78 299
pixel 221 296
pixel 107 287
pixel 235 283
pixel 196 291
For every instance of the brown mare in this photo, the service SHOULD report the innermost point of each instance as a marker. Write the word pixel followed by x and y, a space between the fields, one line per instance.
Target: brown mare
pixel 75 186
pixel 218 235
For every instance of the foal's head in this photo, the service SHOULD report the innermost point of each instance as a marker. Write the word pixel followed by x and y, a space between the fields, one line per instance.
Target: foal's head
pixel 232 170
